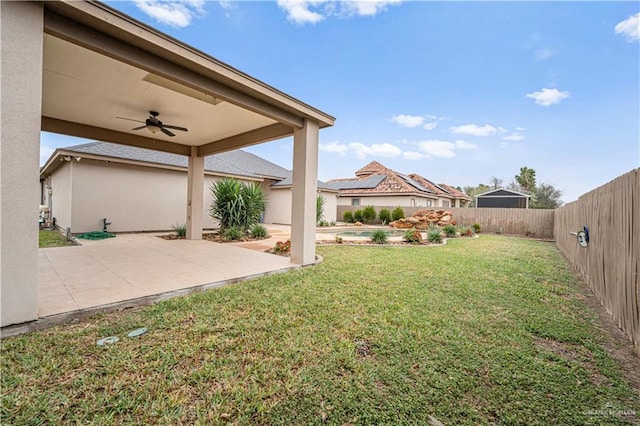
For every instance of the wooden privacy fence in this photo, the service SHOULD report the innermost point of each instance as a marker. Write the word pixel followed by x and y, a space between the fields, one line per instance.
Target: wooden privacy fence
pixel 531 222
pixel 610 262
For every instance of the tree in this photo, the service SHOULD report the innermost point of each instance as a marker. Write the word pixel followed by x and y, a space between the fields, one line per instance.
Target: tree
pixel 527 179
pixel 472 191
pixel 496 183
pixel 546 197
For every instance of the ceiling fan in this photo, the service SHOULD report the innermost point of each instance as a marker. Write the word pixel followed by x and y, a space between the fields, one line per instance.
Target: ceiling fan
pixel 154 125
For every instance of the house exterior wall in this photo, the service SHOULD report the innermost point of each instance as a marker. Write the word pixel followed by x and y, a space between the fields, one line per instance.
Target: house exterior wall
pixel 393 200
pixel 330 206
pixel 61 195
pixel 278 206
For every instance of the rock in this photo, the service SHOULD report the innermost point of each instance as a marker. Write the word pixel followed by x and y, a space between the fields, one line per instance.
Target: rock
pixel 357 224
pixel 424 218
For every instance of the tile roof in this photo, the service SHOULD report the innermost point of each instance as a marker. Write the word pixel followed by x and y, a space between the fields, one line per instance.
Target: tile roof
pixel 376 179
pixel 236 163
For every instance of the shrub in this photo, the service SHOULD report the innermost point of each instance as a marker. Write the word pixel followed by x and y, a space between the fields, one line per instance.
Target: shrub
pixel 465 231
pixel 449 231
pixel 412 236
pixel 384 216
pixel 319 208
pixel 233 233
pixel 357 216
pixel 323 223
pixel 397 213
pixel 339 239
pixel 379 236
pixel 259 231
pixel 476 228
pixel 369 214
pixel 236 204
pixel 434 235
pixel 180 230
pixel 282 247
pixel 348 216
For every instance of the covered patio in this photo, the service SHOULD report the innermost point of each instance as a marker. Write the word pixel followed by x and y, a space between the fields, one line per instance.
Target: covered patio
pixel 86 70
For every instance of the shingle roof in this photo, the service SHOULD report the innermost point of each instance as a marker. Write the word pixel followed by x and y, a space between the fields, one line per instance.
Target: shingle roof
pixel 236 163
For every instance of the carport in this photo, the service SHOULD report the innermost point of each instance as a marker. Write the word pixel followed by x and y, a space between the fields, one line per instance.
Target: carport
pixel 86 70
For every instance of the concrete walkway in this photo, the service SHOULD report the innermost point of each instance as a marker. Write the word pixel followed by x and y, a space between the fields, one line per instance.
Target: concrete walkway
pixel 135 266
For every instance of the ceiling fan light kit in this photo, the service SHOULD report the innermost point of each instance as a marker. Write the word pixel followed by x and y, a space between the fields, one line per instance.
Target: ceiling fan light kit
pixel 154 125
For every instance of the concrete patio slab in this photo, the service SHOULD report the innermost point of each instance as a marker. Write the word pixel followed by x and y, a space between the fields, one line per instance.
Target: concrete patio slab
pixel 135 266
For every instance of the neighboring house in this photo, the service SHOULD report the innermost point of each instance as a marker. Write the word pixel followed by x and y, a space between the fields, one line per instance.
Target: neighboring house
pixel 503 198
pixel 138 189
pixel 379 186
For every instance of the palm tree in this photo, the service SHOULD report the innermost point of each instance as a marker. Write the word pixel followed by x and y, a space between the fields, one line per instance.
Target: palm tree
pixel 527 179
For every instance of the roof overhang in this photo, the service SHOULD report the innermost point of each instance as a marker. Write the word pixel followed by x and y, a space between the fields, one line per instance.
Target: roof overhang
pixel 100 64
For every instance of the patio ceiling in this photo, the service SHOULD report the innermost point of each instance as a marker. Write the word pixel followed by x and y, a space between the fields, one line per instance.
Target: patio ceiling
pixel 99 65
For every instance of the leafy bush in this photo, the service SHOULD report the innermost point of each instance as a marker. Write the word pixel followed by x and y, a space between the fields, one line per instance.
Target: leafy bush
pixel 347 216
pixel 397 213
pixel 357 216
pixel 412 236
pixel 323 223
pixel 379 236
pixel 449 231
pixel 233 233
pixel 369 214
pixel 339 239
pixel 259 231
pixel 384 216
pixel 434 235
pixel 282 247
pixel 319 208
pixel 180 230
pixel 236 204
pixel 476 228
pixel 465 231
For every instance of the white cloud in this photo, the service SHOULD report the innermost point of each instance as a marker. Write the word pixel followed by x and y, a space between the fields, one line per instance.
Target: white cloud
pixel 548 97
pixel 474 130
pixel 430 126
pixel 465 145
pixel 409 121
pixel 413 155
pixel 546 53
pixel 313 11
pixel 334 147
pixel 521 129
pixel 436 148
pixel 514 137
pixel 385 150
pixel 630 28
pixel 174 13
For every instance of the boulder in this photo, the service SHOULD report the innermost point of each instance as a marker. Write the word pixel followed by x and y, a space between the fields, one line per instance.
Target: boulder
pixel 424 218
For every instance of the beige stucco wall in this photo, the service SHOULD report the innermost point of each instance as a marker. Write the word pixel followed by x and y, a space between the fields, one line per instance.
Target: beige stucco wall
pixel 132 197
pixel 396 200
pixel 61 196
pixel 330 205
pixel 21 102
pixel 278 206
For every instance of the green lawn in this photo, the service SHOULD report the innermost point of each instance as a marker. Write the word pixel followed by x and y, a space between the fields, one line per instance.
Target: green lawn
pixel 485 331
pixel 53 239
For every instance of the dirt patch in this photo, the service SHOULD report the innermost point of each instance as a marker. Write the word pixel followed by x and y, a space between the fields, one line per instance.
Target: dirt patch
pixel 575 353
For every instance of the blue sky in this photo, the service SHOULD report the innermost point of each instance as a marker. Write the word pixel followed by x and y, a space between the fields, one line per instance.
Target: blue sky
pixel 455 91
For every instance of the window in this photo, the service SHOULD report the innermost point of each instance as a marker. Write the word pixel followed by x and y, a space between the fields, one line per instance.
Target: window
pixel 355 201
pixel 429 203
pixel 445 203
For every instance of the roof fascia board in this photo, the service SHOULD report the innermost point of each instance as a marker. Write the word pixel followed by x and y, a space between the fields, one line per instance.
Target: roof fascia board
pixel 233 85
pixel 252 137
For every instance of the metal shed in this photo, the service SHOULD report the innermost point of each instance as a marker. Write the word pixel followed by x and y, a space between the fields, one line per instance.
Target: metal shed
pixel 503 198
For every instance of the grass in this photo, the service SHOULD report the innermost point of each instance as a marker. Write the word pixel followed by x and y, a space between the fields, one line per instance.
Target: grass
pixel 53 239
pixel 486 331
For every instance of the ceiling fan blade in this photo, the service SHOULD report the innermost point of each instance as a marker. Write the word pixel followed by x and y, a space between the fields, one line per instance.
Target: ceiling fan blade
pixel 166 132
pixel 138 128
pixel 184 129
pixel 130 119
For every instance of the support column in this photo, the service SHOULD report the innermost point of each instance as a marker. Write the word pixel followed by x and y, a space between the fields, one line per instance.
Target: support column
pixel 303 203
pixel 21 37
pixel 195 188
